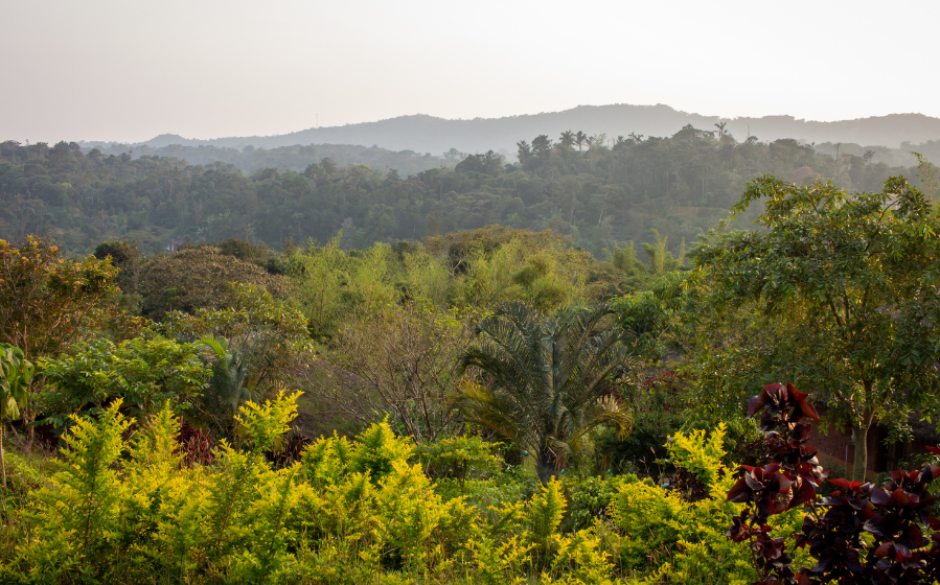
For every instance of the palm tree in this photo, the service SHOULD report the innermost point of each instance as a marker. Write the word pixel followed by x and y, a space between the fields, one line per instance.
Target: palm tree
pixel 721 128
pixel 542 145
pixel 868 156
pixel 567 138
pixel 524 151
pixel 545 380
pixel 659 257
pixel 638 138
pixel 580 139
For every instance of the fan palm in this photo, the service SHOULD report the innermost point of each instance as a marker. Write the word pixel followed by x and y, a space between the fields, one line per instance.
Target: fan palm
pixel 545 380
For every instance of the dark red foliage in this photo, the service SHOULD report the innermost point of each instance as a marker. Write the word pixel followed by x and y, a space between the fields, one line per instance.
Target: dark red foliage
pixel 835 537
pixel 293 448
pixel 788 479
pixel 197 446
pixel 894 515
pixel 688 486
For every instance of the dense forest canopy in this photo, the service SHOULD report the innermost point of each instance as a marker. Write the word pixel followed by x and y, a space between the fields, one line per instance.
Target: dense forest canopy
pixel 597 190
pixel 295 158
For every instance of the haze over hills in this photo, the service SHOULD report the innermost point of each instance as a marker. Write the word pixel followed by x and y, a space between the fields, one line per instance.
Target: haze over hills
pixel 422 133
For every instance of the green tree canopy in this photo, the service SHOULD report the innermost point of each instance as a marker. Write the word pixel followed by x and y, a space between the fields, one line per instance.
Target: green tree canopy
pixel 845 288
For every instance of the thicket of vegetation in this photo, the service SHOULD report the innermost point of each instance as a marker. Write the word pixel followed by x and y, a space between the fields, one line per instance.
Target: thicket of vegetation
pixel 598 191
pixel 494 405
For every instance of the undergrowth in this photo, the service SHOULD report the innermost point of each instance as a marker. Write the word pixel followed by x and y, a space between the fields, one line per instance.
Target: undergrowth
pixel 121 506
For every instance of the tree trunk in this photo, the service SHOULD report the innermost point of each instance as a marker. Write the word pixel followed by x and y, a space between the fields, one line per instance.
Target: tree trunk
pixel 860 462
pixel 3 461
pixel 545 464
pixel 514 454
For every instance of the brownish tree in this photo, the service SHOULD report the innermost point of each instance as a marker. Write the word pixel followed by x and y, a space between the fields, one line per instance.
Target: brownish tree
pixel 197 278
pixel 47 302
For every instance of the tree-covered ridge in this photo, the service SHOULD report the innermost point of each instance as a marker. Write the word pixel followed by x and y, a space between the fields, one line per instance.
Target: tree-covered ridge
pixel 596 190
pixel 295 158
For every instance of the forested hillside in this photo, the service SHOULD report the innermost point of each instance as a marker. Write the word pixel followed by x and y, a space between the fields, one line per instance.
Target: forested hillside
pixel 596 191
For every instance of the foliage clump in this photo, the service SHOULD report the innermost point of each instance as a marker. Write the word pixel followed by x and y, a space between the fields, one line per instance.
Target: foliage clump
pixel 198 278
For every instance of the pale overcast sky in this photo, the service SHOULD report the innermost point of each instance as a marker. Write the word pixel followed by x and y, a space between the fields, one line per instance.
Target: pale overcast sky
pixel 127 70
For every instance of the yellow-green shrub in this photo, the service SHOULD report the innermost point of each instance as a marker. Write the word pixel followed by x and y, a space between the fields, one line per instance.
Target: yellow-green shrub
pixel 126 510
pixel 676 541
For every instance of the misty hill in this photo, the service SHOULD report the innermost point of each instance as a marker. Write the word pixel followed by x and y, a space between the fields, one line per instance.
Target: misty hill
pixel 422 133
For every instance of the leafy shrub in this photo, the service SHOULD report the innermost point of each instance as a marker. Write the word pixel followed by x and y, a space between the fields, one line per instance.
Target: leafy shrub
pixel 700 455
pixel 143 372
pixel 379 450
pixel 643 449
pixel 15 374
pixel 457 457
pixel 589 499
pixel 129 510
pixel 678 541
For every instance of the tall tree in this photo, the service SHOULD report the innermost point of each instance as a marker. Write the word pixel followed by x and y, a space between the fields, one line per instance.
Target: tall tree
pixel 542 145
pixel 846 288
pixel 524 151
pixel 580 138
pixel 567 139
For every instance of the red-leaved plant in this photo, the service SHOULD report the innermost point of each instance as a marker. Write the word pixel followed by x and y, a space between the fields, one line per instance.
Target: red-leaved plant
pixel 788 480
pixel 894 515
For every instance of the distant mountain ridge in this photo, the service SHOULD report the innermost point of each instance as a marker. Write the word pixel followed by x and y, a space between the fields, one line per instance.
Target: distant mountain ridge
pixel 423 133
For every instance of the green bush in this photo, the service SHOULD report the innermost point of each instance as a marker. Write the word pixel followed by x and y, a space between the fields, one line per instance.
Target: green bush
pixel 143 372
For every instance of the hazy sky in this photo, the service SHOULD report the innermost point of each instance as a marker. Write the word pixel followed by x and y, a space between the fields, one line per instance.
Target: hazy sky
pixel 128 70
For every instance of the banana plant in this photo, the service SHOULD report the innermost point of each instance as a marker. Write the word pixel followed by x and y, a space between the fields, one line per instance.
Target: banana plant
pixel 230 385
pixel 15 373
